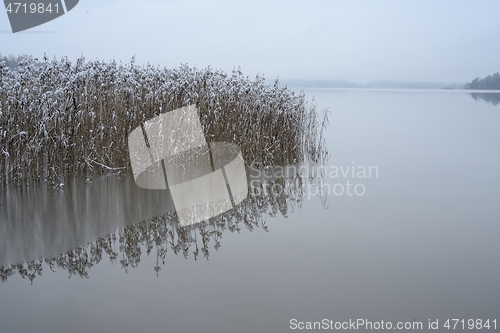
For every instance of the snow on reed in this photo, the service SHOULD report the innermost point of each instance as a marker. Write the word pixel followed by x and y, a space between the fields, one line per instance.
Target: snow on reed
pixel 59 119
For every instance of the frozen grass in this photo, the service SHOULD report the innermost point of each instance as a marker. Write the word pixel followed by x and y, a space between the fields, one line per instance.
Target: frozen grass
pixel 60 119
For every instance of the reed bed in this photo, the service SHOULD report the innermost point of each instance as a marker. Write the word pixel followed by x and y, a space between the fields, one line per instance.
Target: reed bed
pixel 60 119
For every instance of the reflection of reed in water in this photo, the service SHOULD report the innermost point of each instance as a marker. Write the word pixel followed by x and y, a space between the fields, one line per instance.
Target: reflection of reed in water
pixel 38 222
pixel 59 119
pixel 156 235
pixel 492 98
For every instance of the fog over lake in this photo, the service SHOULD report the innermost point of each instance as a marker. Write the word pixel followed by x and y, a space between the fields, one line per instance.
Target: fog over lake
pixel 249 166
pixel 416 239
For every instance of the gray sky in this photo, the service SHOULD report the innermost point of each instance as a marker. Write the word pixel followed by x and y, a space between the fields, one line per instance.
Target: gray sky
pixel 361 41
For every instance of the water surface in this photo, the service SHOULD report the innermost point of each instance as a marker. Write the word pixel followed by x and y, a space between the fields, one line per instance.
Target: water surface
pixel 420 243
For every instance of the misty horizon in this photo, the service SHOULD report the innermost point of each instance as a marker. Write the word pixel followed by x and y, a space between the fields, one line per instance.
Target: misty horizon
pixel 320 40
pixel 11 61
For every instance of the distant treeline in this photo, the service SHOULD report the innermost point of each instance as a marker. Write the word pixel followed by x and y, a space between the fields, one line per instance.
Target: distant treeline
pixel 489 82
pixel 12 61
pixel 329 84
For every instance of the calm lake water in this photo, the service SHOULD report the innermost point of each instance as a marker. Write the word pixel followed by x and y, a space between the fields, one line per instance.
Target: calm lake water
pixel 407 229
